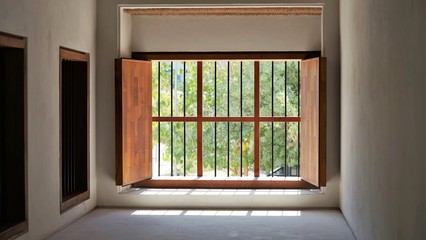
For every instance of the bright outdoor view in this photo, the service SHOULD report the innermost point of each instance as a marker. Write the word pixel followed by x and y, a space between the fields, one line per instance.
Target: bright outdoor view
pixel 227 144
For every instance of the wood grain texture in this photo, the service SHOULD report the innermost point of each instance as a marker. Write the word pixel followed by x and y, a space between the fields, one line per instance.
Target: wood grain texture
pixel 220 11
pixel 12 41
pixel 309 134
pixel 73 55
pixel 133 121
pixel 313 122
pixel 323 121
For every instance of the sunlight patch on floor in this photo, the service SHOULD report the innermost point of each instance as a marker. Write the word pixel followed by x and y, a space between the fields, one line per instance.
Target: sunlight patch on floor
pixel 234 213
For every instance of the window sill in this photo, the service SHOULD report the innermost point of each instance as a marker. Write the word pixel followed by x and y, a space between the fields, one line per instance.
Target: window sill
pixel 74 199
pixel 226 183
pixel 219 192
pixel 13 230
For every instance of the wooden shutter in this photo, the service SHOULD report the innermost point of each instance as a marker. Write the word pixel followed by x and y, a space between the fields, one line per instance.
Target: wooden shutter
pixel 133 121
pixel 313 121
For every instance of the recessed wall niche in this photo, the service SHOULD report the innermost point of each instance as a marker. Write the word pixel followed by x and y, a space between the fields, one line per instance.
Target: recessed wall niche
pixel 13 136
pixel 74 127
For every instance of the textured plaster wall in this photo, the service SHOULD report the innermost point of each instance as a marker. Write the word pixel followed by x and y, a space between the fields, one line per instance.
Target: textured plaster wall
pixel 108 50
pixel 49 24
pixel 383 118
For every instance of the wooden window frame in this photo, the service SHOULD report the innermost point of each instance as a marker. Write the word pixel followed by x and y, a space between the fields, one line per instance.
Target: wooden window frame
pixel 254 183
pixel 14 41
pixel 68 202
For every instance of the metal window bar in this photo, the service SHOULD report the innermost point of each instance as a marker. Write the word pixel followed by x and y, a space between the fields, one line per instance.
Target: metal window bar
pixel 285 114
pixel 228 160
pixel 215 114
pixel 171 114
pixel 241 123
pixel 272 112
pixel 184 114
pixel 158 113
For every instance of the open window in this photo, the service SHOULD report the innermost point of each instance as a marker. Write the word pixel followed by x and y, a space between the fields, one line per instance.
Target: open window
pixel 74 127
pixel 13 136
pixel 313 121
pixel 203 130
pixel 133 121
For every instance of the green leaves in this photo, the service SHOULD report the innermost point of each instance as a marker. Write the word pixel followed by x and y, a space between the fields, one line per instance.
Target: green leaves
pixel 228 90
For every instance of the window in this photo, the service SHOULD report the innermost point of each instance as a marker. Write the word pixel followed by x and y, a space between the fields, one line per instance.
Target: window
pixel 229 145
pixel 74 125
pixel 13 136
pixel 226 119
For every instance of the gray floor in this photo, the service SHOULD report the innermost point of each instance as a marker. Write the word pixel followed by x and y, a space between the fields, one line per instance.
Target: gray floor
pixel 107 224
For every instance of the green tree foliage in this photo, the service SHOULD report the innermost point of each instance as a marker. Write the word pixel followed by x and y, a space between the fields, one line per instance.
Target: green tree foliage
pixel 176 83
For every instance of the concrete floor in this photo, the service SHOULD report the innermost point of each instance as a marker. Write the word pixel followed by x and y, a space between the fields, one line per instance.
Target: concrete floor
pixel 103 223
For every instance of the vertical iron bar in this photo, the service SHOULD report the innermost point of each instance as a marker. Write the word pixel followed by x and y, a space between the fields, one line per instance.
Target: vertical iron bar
pixel 241 114
pixel 228 122
pixel 158 113
pixel 171 89
pixel 171 149
pixel 215 114
pixel 184 114
pixel 285 114
pixel 272 124
pixel 298 114
pixel 171 114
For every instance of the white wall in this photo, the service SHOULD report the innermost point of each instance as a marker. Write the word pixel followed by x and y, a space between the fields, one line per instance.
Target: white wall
pixel 49 24
pixel 108 50
pixel 383 118
pixel 226 33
